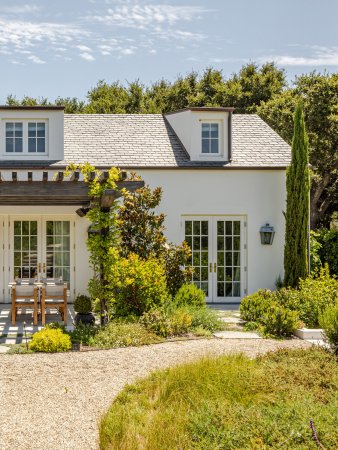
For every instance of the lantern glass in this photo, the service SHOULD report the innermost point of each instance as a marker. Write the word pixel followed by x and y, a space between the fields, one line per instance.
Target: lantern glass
pixel 267 234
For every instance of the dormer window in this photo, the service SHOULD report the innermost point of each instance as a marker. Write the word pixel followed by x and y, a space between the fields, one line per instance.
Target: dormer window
pixel 26 137
pixel 210 138
pixel 14 137
pixel 36 137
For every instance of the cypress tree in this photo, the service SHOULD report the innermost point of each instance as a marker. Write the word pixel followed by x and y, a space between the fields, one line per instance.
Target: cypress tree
pixel 297 205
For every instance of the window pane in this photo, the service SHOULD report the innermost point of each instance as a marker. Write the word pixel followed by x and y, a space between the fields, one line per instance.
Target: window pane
pixel 237 227
pixel 17 243
pixel 9 129
pixel 204 227
pixel 228 289
pixel 220 258
pixel 214 130
pixel 9 145
pixel 228 273
pixel 220 228
pixel 31 129
pixel 228 228
pixel 41 145
pixel 237 259
pixel 205 145
pixel 205 130
pixel 204 240
pixel 214 145
pixel 237 290
pixel 237 243
pixel 32 145
pixel 18 129
pixel 197 227
pixel 66 226
pixel 40 129
pixel 188 228
pixel 196 259
pixel 18 145
pixel 204 258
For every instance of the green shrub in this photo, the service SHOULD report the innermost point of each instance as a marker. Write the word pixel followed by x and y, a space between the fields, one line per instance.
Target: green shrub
pixel 83 304
pixel 18 349
pixel 255 305
pixel 279 321
pixel 315 293
pixel 82 333
pixel 117 334
pixel 50 341
pixel 175 261
pixel 175 321
pixel 328 320
pixel 167 322
pixel 189 294
pixel 139 285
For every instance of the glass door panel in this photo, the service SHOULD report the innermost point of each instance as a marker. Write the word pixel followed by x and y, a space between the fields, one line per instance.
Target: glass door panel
pixel 58 249
pixel 228 247
pixel 25 248
pixel 197 237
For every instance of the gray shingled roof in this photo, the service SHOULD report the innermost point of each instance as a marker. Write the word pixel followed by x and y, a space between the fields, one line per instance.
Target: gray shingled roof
pixel 147 140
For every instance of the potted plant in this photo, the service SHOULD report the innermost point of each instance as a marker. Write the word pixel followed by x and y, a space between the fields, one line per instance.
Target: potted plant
pixel 83 308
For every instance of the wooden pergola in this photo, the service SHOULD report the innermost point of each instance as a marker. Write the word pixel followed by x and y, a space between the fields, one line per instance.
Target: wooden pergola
pixel 59 191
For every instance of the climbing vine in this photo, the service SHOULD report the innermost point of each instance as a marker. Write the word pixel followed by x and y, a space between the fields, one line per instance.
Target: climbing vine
pixel 103 232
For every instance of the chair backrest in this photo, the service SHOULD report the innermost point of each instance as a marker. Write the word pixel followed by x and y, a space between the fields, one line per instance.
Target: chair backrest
pixel 24 290
pixel 52 281
pixel 25 281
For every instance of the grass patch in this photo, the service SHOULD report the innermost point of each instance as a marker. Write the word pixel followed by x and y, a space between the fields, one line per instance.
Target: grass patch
pixel 229 402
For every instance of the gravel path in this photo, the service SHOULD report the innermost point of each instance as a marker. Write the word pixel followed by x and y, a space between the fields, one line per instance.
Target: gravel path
pixel 54 402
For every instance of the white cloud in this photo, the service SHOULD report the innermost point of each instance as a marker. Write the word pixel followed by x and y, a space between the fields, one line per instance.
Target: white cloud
pixel 35 59
pixel 84 48
pixel 87 56
pixel 143 16
pixel 127 51
pixel 322 56
pixel 19 9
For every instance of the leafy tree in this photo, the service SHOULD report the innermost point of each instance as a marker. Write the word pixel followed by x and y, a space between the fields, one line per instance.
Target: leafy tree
pixel 142 233
pixel 297 206
pixel 141 229
pixel 72 105
pixel 107 99
pixel 319 96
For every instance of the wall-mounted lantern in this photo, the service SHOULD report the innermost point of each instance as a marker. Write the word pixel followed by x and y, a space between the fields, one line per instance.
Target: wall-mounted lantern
pixel 267 234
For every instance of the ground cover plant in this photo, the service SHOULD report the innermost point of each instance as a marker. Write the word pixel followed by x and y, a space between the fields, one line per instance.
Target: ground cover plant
pixel 328 320
pixel 229 402
pixel 119 334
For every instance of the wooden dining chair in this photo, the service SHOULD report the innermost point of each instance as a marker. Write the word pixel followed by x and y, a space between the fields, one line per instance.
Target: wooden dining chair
pixel 24 295
pixel 54 295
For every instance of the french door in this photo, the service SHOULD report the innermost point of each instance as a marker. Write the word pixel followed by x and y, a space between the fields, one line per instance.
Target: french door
pixel 41 247
pixel 218 246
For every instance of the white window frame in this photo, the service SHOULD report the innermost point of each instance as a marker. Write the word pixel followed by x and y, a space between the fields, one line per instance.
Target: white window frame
pixel 220 138
pixel 24 153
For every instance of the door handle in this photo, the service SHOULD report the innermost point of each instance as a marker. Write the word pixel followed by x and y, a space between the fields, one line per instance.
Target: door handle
pixel 215 267
pixel 44 268
pixel 210 267
pixel 39 267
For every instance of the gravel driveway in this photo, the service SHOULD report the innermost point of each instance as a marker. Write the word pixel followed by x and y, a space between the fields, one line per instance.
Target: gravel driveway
pixel 54 402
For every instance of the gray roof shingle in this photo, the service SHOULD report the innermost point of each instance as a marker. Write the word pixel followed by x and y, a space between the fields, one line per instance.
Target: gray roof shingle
pixel 147 140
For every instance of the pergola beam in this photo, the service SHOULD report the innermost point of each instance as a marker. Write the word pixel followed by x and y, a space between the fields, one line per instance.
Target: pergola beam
pixel 57 192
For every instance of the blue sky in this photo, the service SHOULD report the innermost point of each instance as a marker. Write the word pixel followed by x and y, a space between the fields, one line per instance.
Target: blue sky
pixel 51 48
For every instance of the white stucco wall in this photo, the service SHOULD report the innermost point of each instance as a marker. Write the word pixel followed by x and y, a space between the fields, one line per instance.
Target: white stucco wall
pixel 259 195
